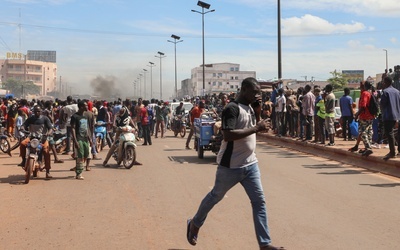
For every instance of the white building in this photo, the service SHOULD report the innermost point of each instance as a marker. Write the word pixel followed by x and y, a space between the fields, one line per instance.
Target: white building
pixel 219 77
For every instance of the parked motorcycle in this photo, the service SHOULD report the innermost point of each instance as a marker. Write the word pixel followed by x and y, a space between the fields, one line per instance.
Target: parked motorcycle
pixel 59 138
pixel 178 125
pixel 4 142
pixel 33 156
pixel 125 151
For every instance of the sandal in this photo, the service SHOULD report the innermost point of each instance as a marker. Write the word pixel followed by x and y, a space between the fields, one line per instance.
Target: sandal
pixel 88 169
pixel 191 236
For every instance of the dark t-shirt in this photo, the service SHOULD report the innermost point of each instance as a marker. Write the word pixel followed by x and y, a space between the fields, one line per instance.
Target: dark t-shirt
pixel 38 125
pixel 81 125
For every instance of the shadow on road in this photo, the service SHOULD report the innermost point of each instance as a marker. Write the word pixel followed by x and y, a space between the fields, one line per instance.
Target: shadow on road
pixel 386 185
pixel 347 171
pixel 20 179
pixel 322 166
pixel 209 160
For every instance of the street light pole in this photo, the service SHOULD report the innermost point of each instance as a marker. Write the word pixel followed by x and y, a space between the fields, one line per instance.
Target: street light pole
pixel 279 42
pixel 176 40
pixel 160 55
pixel 203 6
pixel 386 59
pixel 140 85
pixel 151 78
pixel 144 83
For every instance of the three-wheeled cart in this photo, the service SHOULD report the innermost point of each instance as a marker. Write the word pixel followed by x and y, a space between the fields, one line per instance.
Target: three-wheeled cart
pixel 204 137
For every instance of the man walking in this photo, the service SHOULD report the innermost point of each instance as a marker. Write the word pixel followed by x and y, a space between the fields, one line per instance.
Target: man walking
pixel 237 163
pixel 390 104
pixel 82 138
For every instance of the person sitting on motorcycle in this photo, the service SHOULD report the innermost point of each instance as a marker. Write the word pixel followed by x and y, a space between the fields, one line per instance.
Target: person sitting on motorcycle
pixel 38 124
pixel 180 110
pixel 123 120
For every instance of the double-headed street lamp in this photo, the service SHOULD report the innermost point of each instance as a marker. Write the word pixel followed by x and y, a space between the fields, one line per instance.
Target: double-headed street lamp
pixel 177 39
pixel 203 6
pixel 160 55
pixel 151 77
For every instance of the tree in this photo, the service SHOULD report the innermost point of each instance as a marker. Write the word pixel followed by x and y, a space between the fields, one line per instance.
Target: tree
pixel 337 81
pixel 20 88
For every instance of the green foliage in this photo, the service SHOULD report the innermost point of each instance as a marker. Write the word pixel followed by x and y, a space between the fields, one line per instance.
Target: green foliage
pixel 20 88
pixel 337 81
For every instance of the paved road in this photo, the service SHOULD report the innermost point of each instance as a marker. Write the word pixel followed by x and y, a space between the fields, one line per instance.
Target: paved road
pixel 313 203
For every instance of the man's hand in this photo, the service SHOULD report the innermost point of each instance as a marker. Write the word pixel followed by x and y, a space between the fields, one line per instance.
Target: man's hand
pixel 263 125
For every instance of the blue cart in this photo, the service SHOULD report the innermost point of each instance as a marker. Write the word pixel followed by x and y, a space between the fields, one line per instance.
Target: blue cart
pixel 204 138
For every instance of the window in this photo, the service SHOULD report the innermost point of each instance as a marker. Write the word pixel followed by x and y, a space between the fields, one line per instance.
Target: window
pixel 214 74
pixel 219 74
pixel 232 69
pixel 231 77
pixel 232 87
pixel 237 69
pixel 214 84
pixel 219 84
pixel 236 78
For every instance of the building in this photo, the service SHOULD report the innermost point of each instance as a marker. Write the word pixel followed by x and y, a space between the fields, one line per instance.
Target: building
pixel 219 77
pixel 42 71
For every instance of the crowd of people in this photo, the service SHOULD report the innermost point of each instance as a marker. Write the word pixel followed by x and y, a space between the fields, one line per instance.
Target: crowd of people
pixel 309 115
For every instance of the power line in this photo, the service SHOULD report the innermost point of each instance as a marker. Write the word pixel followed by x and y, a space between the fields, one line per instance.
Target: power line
pixel 226 36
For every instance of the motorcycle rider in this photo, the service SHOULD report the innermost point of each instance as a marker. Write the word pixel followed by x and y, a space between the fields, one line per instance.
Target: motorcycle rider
pixel 123 120
pixel 180 110
pixel 39 124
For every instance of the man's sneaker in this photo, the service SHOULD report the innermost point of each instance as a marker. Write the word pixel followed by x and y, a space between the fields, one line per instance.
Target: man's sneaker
pixel 367 152
pixel 376 145
pixel 353 149
pixel 79 177
pixel 48 176
pixel 330 144
pixel 389 156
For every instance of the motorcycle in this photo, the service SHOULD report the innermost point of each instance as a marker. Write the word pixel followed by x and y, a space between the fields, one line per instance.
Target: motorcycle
pixel 33 156
pixel 178 125
pixel 100 131
pixel 59 138
pixel 4 142
pixel 125 150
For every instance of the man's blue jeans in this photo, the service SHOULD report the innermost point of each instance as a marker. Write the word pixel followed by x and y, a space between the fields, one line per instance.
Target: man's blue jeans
pixel 250 178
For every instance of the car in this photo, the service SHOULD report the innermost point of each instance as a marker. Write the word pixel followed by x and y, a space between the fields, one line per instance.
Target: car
pixel 187 105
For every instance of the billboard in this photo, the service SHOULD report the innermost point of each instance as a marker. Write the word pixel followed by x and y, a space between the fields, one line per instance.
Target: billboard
pixel 353 76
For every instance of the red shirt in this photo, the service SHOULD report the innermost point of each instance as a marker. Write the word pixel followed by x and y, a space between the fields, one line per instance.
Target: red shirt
pixel 364 103
pixel 144 116
pixel 196 112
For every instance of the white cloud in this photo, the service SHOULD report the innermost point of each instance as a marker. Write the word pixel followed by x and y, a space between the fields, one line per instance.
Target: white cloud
pixel 384 8
pixel 311 25
pixel 393 40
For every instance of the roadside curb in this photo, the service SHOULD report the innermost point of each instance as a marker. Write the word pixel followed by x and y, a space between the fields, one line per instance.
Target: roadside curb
pixel 372 163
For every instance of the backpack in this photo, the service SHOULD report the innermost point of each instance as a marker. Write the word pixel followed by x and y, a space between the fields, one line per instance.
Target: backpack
pixel 150 113
pixel 373 106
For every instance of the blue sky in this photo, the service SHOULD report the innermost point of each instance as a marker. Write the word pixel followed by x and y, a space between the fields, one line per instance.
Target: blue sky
pixel 119 38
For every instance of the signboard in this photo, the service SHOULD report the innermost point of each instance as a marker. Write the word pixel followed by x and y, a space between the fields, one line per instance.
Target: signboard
pixel 12 55
pixel 353 76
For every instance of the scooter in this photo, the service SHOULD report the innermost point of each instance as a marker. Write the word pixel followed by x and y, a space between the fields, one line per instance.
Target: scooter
pixel 33 156
pixel 59 138
pixel 125 151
